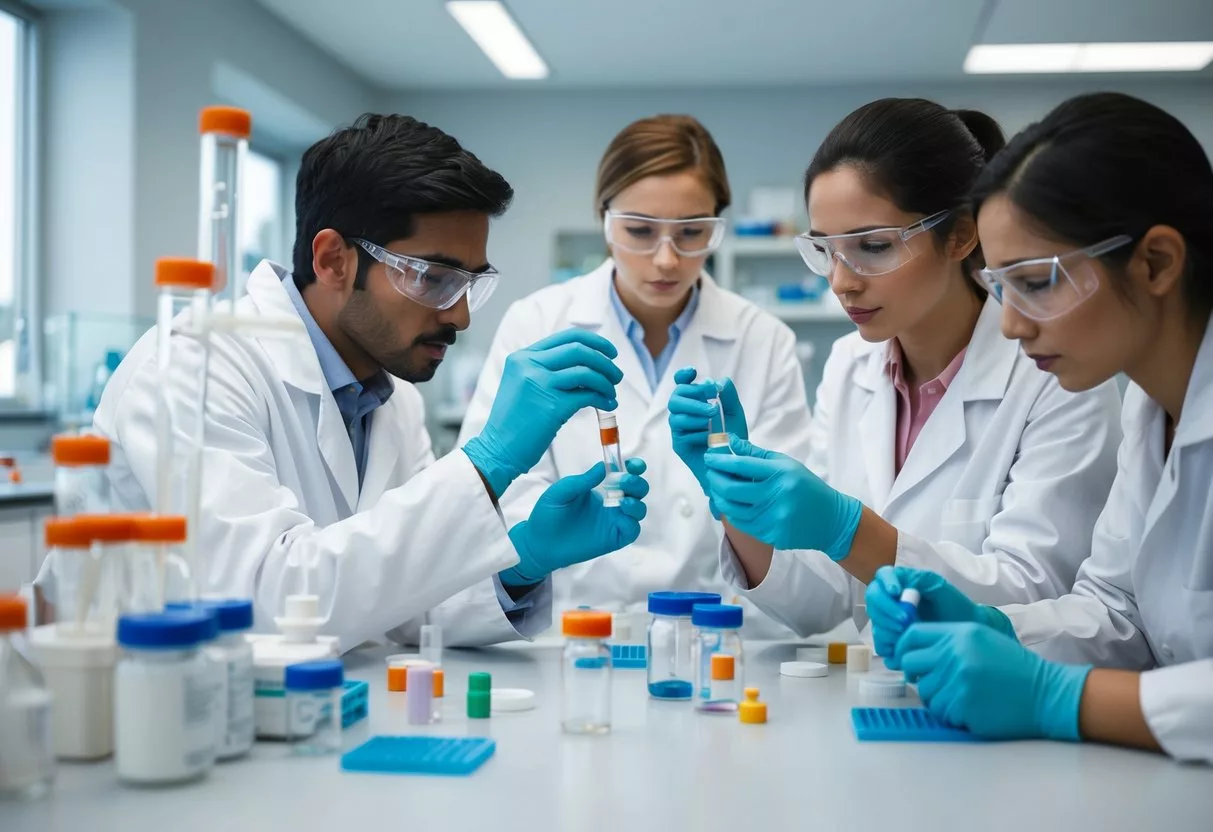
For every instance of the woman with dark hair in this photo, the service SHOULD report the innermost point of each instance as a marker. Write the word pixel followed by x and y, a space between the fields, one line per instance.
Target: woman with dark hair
pixel 1098 226
pixel 935 443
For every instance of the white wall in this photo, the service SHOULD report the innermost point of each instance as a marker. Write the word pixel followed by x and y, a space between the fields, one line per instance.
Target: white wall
pixel 548 145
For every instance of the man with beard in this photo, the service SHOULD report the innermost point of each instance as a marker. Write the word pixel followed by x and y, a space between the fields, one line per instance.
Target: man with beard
pixel 316 455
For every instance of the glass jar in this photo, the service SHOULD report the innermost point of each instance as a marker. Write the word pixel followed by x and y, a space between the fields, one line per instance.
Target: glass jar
pixel 670 671
pixel 27 763
pixel 81 483
pixel 586 672
pixel 717 657
pixel 313 706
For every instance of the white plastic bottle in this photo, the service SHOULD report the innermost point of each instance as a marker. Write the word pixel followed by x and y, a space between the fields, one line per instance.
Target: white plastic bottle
pixel 27 765
pixel 272 654
pixel 235 654
pixel 164 730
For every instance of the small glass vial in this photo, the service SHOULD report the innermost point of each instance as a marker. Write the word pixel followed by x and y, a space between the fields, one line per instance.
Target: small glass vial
pixel 429 644
pixel 718 431
pixel 612 457
pixel 154 573
pixel 717 657
pixel 313 706
pixel 586 672
pixel 233 652
pixel 81 484
pixel 164 728
pixel 27 763
pixel 671 673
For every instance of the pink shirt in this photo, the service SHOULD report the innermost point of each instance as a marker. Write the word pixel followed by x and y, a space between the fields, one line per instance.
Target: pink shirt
pixel 914 407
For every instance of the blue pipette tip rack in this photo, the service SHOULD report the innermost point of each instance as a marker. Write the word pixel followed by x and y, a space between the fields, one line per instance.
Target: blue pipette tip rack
pixel 904 725
pixel 355 703
pixel 452 756
pixel 629 656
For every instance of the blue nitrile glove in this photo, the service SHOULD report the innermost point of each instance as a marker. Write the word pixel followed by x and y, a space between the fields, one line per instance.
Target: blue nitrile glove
pixel 690 413
pixel 569 524
pixel 774 498
pixel 940 602
pixel 542 386
pixel 974 677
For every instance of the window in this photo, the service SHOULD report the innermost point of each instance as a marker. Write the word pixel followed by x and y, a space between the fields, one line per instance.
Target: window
pixel 261 223
pixel 18 331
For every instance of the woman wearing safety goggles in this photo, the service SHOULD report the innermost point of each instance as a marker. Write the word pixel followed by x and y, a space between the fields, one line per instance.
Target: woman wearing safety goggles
pixel 936 442
pixel 661 188
pixel 1098 225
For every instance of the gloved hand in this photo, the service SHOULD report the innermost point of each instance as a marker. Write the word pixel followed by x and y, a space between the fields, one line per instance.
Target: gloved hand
pixel 973 677
pixel 940 602
pixel 774 498
pixel 690 413
pixel 569 524
pixel 542 386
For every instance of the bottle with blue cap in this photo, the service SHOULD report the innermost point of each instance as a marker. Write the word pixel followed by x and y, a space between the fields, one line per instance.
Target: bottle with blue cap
pixel 164 730
pixel 717 657
pixel 214 661
pixel 234 655
pixel 671 672
pixel 313 706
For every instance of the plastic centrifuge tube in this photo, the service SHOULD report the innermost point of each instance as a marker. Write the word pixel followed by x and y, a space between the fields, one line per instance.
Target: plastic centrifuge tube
pixel 225 133
pixel 612 456
pixel 718 432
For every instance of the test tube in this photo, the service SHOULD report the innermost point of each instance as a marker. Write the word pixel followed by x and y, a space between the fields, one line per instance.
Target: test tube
pixel 225 133
pixel 182 351
pixel 718 432
pixel 430 644
pixel 612 456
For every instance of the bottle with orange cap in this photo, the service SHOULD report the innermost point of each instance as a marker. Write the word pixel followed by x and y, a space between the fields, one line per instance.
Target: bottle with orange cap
pixel 155 572
pixel 81 482
pixel 586 672
pixel 27 768
pixel 225 133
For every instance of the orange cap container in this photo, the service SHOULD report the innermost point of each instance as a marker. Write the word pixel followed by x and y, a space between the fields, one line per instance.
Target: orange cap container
pixel 80 450
pixel 12 613
pixel 158 528
pixel 106 528
pixel 439 683
pixel 184 273
pixel 836 652
pixel 723 667
pixel 397 675
pixel 231 121
pixel 67 533
pixel 586 624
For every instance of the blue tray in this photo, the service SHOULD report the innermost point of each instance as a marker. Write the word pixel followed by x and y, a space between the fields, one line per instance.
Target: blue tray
pixel 355 703
pixel 629 656
pixel 904 725
pixel 419 755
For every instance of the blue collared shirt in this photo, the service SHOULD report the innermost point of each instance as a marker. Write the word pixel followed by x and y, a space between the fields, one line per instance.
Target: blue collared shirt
pixel 654 368
pixel 356 400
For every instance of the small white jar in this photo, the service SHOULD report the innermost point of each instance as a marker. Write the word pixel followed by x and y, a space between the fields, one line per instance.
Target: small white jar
pixel 164 730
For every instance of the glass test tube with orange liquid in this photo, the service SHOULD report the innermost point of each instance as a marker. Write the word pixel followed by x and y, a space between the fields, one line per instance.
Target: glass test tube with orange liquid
pixel 612 456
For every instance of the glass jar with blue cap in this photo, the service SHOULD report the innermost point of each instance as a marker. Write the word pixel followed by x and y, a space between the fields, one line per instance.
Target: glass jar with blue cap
pixel 671 673
pixel 234 653
pixel 164 729
pixel 313 706
pixel 716 654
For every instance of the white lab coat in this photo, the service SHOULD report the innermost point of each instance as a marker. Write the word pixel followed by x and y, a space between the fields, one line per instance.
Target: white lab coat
pixel 1143 600
pixel 727 336
pixel 280 483
pixel 999 493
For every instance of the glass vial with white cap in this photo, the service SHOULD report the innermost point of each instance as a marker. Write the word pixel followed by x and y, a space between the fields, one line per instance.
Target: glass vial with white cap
pixel 612 457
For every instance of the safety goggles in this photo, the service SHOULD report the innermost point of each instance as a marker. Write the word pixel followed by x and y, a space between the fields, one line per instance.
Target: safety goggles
pixel 1049 287
pixel 869 253
pixel 645 235
pixel 433 284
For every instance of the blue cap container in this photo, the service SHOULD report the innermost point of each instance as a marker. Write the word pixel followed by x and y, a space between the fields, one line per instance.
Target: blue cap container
pixel 171 630
pixel 200 607
pixel 318 675
pixel 722 616
pixel 234 614
pixel 679 603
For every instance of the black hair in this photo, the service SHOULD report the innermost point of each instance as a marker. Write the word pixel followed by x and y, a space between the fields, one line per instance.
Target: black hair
pixel 1105 164
pixel 924 156
pixel 369 180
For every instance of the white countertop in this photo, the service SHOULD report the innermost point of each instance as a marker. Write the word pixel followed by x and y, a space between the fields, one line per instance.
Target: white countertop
pixel 662 767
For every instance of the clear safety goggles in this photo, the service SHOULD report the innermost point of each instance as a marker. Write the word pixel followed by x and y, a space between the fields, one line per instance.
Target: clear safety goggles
pixel 644 235
pixel 1049 287
pixel 433 284
pixel 869 253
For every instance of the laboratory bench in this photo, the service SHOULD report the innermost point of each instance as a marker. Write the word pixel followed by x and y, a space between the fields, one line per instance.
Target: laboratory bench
pixel 663 767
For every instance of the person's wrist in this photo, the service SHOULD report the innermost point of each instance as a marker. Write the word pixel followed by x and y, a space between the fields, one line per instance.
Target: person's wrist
pixel 480 450
pixel 1059 699
pixel 849 515
pixel 520 574
pixel 996 619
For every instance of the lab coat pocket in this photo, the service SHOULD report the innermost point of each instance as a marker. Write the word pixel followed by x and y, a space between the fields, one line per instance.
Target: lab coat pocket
pixel 967 522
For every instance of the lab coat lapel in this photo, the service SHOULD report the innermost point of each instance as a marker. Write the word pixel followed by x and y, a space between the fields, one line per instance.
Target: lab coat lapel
pixel 294 357
pixel 593 310
pixel 878 427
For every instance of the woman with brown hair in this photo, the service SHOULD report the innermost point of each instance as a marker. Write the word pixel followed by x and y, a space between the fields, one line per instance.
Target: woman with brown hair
pixel 661 188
